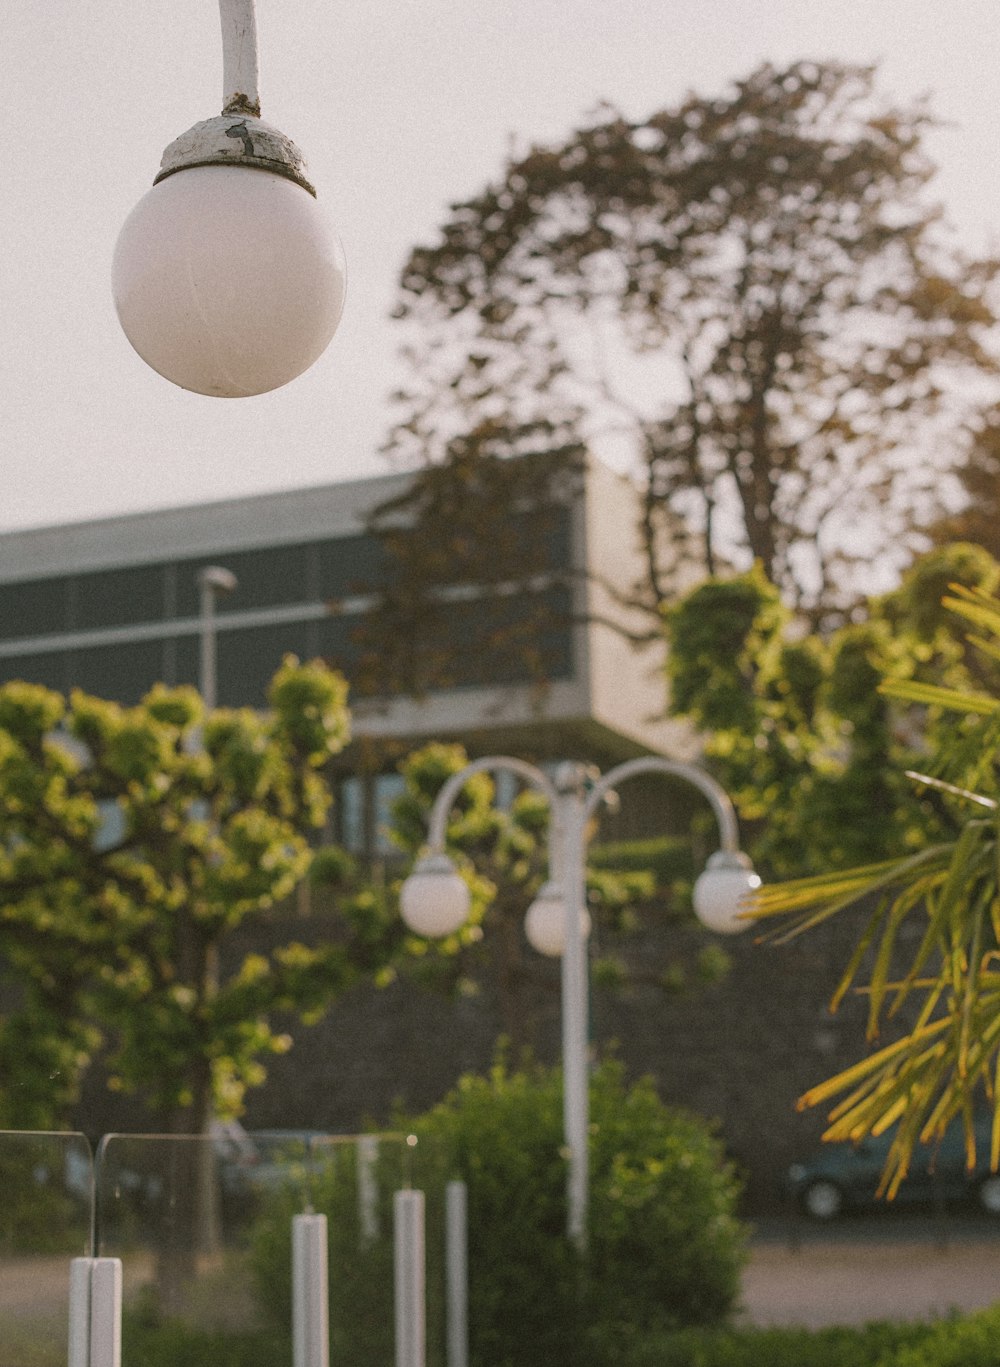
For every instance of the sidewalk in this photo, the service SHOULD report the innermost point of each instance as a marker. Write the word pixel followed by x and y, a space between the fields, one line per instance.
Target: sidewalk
pixel 825 1282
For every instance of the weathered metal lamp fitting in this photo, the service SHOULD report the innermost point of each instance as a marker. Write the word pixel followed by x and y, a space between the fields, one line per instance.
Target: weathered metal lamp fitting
pixel 232 139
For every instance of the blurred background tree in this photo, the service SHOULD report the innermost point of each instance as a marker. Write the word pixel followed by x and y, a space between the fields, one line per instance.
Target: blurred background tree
pixel 746 300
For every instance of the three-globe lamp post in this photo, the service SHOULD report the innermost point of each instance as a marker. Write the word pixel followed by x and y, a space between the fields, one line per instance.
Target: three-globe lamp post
pixel 435 902
pixel 227 278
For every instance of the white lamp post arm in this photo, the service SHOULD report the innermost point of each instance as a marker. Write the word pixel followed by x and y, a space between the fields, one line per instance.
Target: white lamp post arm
pixel 722 807
pixel 446 798
pixel 240 89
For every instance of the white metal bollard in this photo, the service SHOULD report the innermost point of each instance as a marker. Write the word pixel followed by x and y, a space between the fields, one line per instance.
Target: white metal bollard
pixel 310 1292
pixel 95 1312
pixel 79 1312
pixel 408 1260
pixel 457 1272
pixel 367 1188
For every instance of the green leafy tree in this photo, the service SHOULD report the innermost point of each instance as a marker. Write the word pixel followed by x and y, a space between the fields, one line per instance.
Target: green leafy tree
pixel 795 726
pixel 930 937
pixel 745 296
pixel 136 844
pixel 978 520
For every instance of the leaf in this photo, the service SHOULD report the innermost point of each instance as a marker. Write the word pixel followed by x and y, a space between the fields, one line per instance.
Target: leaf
pixel 909 690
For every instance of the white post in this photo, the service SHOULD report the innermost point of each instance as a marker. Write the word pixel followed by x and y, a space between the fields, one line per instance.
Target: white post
pixel 95 1312
pixel 310 1292
pixel 457 1272
pixel 240 90
pixel 569 833
pixel 79 1312
pixel 367 1189
pixel 212 580
pixel 409 1279
pixel 106 1313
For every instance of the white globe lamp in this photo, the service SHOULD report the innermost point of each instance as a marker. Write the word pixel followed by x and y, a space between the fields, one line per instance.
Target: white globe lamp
pixel 227 278
pixel 434 901
pixel 723 891
pixel 545 922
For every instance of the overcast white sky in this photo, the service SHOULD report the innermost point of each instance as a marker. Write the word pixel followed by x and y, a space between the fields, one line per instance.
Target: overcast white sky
pixel 400 107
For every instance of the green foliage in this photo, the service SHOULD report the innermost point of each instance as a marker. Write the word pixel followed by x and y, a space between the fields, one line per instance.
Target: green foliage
pixel 966 1342
pixel 137 841
pixel 797 728
pixel 167 1344
pixel 969 1342
pixel 665 1247
pixel 874 1345
pixel 945 1063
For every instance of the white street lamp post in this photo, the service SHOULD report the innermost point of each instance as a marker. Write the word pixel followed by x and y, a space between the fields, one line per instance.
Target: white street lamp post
pixel 212 580
pixel 435 902
pixel 227 278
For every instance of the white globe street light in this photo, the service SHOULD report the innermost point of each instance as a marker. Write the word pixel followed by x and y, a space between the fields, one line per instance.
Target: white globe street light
pixel 722 892
pixel 227 278
pixel 435 902
pixel 545 921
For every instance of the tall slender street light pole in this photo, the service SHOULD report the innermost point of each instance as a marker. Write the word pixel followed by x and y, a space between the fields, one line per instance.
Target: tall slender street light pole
pixel 435 902
pixel 212 581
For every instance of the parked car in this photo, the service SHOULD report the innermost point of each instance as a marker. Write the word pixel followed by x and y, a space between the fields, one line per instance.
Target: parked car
pixel 840 1177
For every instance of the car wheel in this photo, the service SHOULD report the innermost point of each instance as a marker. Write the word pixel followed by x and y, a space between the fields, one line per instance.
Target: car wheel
pixel 824 1200
pixel 989 1194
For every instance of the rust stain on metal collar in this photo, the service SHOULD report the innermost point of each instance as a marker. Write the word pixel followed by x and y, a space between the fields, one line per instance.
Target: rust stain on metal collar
pixel 242 104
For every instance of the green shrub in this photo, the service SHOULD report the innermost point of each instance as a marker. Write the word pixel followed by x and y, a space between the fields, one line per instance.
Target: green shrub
pixel 874 1345
pixel 173 1344
pixel 970 1342
pixel 665 1248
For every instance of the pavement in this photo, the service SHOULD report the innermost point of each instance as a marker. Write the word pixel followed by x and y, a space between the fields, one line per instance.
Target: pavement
pixel 858 1272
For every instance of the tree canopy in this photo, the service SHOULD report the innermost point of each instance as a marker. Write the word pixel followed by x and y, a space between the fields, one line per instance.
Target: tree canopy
pixel 794 723
pixel 748 299
pixel 136 843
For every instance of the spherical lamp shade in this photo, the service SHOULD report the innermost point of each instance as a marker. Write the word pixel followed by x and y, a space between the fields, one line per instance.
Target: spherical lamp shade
pixel 722 892
pixel 228 280
pixel 434 901
pixel 545 923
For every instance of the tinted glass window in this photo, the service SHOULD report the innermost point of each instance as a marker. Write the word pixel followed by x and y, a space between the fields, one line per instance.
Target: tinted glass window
pixel 335 644
pixel 122 672
pixel 117 597
pixel 270 577
pixel 49 669
pixel 36 608
pixel 248 660
pixel 349 565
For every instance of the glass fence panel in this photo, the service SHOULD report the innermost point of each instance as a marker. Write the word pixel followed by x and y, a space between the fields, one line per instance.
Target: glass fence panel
pixel 353 1181
pixel 46 1181
pixel 204 1231
pixel 186 1216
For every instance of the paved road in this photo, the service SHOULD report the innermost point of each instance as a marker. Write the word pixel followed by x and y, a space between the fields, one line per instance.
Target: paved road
pixel 853 1274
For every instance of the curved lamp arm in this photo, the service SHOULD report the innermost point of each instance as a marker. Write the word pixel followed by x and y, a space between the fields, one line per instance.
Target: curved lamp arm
pixel 721 891
pixel 722 807
pixel 445 799
pixel 434 899
pixel 240 89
